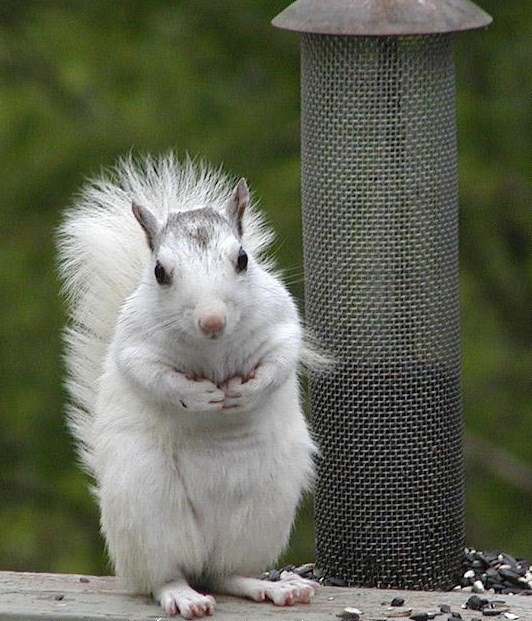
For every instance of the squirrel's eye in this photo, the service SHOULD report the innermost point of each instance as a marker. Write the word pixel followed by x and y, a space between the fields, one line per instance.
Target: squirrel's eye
pixel 160 274
pixel 241 260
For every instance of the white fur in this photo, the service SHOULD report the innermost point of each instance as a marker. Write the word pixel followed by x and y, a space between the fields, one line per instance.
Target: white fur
pixel 198 446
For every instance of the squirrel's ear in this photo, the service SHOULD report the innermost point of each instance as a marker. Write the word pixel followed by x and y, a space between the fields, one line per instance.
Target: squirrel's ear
pixel 148 222
pixel 237 205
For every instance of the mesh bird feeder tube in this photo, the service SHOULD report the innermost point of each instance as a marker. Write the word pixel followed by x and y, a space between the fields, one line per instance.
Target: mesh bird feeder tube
pixel 380 238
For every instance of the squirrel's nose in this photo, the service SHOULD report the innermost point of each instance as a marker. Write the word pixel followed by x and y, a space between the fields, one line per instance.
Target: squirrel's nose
pixel 211 325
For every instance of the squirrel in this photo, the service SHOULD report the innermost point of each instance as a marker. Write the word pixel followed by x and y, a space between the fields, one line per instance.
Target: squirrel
pixel 182 351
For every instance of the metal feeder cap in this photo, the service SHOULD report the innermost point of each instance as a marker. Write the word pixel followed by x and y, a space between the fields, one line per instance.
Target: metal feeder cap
pixel 381 17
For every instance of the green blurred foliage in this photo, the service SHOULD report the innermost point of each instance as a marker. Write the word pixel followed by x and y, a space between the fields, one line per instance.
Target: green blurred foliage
pixel 495 163
pixel 83 82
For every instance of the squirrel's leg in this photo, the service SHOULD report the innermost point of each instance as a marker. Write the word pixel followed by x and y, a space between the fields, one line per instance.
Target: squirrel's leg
pixel 177 597
pixel 277 364
pixel 290 589
pixel 166 384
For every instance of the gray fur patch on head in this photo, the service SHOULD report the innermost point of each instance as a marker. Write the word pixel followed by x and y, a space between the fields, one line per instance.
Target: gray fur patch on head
pixel 200 226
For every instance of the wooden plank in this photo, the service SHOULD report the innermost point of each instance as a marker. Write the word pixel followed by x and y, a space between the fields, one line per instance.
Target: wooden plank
pixel 57 597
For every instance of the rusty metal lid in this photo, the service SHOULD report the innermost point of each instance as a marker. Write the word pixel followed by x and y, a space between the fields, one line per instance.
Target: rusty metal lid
pixel 381 17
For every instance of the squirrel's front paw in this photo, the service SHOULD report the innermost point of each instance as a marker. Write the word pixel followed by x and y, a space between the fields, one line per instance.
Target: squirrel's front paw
pixel 200 395
pixel 241 392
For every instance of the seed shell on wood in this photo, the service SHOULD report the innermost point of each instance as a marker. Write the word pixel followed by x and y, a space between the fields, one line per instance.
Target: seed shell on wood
pixel 398 612
pixel 351 614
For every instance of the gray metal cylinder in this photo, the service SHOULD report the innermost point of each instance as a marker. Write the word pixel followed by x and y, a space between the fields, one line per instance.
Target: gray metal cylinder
pixel 380 226
pixel 380 239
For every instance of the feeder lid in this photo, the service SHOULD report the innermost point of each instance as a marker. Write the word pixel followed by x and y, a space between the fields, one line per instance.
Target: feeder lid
pixel 381 17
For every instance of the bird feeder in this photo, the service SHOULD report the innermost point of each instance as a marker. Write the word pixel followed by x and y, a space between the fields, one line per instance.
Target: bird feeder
pixel 380 242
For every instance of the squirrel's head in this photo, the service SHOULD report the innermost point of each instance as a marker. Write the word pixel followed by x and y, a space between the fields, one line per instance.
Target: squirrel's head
pixel 199 265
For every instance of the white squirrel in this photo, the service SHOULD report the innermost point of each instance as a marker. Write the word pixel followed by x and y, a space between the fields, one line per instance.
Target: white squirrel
pixel 182 353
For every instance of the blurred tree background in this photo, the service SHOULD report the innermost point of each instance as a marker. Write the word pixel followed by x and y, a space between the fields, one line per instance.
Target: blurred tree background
pixel 84 82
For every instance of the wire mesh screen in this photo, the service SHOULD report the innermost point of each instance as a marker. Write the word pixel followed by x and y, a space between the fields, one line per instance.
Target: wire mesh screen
pixel 379 190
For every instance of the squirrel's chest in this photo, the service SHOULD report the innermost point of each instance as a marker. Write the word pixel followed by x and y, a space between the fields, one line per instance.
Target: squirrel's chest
pixel 219 363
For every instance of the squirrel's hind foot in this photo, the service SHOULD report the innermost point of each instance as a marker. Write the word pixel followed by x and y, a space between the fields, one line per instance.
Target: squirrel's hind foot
pixel 179 598
pixel 290 589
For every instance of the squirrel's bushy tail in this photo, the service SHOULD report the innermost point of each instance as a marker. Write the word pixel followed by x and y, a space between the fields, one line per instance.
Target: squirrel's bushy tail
pixel 102 255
